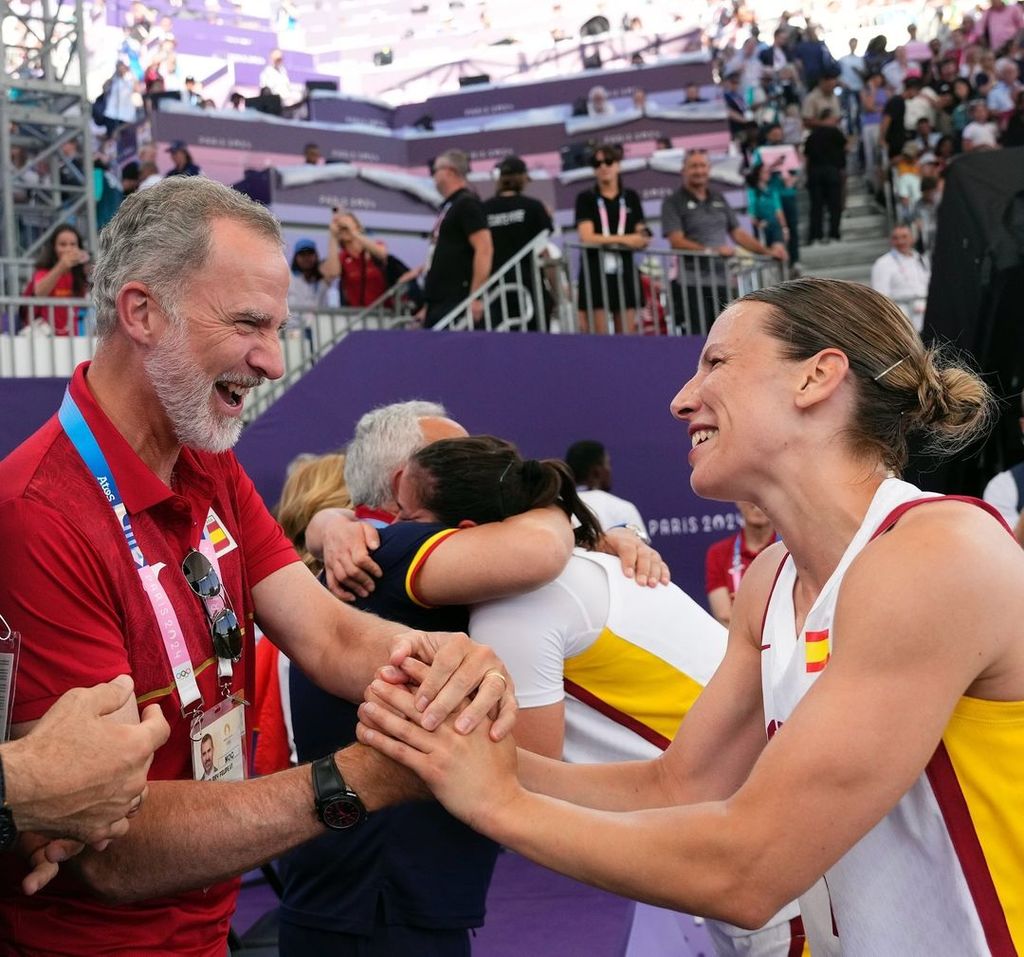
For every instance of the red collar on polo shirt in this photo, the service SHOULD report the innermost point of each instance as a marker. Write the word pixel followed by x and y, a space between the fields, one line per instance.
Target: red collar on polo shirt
pixel 139 485
pixel 364 512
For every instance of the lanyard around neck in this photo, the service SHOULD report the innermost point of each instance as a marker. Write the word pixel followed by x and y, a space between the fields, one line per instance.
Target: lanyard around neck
pixel 82 438
pixel 602 212
pixel 736 569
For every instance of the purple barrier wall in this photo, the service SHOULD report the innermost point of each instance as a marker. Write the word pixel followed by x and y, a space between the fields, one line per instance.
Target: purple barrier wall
pixel 26 404
pixel 542 392
pixel 551 137
pixel 507 98
pixel 352 193
pixel 244 133
pixel 264 136
pixel 343 109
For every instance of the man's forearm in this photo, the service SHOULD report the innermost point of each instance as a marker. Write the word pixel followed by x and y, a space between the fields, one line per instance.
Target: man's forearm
pixel 481 270
pixel 748 242
pixel 360 647
pixel 204 832
pixel 687 245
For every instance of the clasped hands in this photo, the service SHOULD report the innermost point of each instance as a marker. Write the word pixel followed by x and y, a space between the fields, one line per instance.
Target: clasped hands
pixel 461 750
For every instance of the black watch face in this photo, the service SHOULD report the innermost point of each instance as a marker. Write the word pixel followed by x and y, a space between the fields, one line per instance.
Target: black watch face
pixel 342 813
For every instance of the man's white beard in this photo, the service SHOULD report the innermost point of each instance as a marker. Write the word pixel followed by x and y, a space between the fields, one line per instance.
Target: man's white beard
pixel 186 394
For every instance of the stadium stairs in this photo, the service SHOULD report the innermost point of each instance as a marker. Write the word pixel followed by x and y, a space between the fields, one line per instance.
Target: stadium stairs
pixel 864 229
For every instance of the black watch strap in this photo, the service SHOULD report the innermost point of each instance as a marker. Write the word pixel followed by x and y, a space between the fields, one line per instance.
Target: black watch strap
pixel 336 804
pixel 8 830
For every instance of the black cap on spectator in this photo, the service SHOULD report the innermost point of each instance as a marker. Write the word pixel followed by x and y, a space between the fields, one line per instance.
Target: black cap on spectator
pixel 511 165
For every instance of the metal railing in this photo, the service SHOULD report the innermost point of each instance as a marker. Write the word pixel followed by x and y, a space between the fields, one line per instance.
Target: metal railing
pixel 40 335
pixel 44 336
pixel 662 291
pixel 314 333
pixel 49 336
pixel 512 298
pixel 612 290
pixel 654 292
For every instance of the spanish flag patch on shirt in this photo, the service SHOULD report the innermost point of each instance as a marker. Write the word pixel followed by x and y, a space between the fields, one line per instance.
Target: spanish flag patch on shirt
pixel 218 535
pixel 816 650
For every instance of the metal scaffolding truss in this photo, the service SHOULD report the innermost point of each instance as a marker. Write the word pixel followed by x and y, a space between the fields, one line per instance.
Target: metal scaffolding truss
pixel 44 116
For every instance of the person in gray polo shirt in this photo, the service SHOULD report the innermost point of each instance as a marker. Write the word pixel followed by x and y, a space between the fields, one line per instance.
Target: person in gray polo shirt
pixel 697 219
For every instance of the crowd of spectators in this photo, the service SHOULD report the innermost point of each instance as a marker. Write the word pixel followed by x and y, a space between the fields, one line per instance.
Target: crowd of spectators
pixel 898 115
pixel 465 250
pixel 800 118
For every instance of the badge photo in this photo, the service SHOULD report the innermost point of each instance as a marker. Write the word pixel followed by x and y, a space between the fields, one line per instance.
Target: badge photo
pixel 218 743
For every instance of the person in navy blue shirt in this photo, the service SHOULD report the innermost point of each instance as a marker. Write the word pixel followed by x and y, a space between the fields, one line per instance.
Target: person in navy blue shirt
pixel 411 881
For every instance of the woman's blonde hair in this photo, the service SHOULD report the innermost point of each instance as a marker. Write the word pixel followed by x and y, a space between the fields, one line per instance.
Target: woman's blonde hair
pixel 312 483
pixel 904 388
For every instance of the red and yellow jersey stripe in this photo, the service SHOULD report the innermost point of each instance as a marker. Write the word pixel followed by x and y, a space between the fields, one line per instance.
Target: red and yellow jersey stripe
pixel 419 560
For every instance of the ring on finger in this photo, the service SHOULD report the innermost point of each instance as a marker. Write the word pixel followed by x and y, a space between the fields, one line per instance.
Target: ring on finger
pixel 497 674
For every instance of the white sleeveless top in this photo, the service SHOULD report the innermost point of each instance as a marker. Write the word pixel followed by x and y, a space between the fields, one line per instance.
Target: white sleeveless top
pixel 943 872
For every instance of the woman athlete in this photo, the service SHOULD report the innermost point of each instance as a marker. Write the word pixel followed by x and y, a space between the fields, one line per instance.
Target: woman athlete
pixel 867 722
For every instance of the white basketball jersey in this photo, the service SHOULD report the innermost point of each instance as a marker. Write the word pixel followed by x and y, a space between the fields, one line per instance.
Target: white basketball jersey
pixel 943 872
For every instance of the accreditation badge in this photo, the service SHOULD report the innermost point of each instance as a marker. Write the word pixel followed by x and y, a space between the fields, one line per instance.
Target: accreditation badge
pixel 218 742
pixel 612 264
pixel 10 647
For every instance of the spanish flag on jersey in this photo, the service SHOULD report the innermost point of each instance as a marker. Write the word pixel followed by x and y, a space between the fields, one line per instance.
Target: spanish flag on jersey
pixel 816 650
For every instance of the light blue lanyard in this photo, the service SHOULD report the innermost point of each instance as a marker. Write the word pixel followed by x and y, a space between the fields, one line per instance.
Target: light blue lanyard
pixel 78 431
pixel 82 438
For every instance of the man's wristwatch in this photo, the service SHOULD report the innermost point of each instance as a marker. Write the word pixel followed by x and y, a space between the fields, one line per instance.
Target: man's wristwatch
pixel 337 805
pixel 8 831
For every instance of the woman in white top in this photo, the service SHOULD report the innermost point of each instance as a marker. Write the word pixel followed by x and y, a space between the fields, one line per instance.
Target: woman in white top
pixel 605 669
pixel 867 722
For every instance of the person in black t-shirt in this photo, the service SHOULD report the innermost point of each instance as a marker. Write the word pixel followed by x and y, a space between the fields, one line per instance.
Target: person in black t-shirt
pixel 893 132
pixel 946 98
pixel 459 260
pixel 609 215
pixel 825 152
pixel 514 220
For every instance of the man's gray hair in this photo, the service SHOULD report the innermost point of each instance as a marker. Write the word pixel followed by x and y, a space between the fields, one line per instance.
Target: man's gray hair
pixel 161 237
pixel 456 159
pixel 383 442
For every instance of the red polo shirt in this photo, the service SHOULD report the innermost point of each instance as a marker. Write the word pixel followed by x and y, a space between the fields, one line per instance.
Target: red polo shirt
pixel 719 561
pixel 362 279
pixel 71 588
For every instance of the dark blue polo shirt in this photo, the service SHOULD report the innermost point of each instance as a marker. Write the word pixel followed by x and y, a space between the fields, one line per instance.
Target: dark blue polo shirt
pixel 416 862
